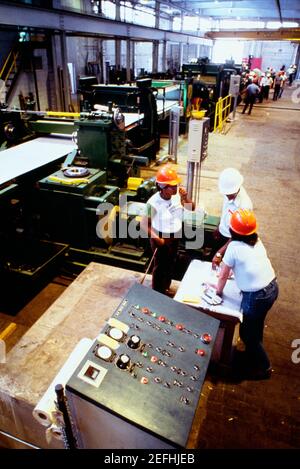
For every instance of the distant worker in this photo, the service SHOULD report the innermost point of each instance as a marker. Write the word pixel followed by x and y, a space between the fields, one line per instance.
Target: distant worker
pixel 246 256
pixel 277 85
pixel 163 223
pixel 252 92
pixel 235 197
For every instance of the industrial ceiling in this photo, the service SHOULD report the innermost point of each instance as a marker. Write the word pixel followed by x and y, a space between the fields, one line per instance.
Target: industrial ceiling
pixel 263 10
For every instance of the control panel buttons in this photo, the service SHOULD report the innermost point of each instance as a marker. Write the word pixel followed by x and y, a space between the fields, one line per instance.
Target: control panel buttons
pixel 185 400
pixel 162 318
pixel 134 342
pixel 149 369
pixel 179 327
pixel 157 379
pixel 200 351
pixel 123 362
pixel 116 334
pixel 206 338
pixel 103 352
pixel 144 380
pixel 145 310
pixel 154 359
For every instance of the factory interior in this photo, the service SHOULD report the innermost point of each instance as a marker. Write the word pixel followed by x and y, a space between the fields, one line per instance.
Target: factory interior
pixel 97 98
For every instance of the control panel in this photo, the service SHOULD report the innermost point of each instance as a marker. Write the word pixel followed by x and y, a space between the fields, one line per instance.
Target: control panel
pixel 148 364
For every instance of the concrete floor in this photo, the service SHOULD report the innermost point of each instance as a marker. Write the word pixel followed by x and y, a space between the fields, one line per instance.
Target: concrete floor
pixel 265 148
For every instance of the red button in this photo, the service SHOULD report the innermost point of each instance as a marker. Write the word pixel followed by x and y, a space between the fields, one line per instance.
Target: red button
pixel 144 380
pixel 200 351
pixel 145 310
pixel 179 327
pixel 154 359
pixel 161 318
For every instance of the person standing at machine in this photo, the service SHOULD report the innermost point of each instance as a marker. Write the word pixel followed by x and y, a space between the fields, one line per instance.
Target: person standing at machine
pixel 163 223
pixel 235 197
pixel 255 277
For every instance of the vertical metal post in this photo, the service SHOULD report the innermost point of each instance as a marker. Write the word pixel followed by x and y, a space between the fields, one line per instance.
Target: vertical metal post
pixel 65 77
pixel 174 132
pixel 128 60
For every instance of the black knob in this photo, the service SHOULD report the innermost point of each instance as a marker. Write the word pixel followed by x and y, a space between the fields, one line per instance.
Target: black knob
pixel 134 342
pixel 123 362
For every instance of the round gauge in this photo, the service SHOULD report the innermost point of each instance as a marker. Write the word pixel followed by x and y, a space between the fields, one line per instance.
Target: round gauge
pixel 115 333
pixel 104 352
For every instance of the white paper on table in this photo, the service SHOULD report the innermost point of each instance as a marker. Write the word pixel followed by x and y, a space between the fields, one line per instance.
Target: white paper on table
pixel 194 282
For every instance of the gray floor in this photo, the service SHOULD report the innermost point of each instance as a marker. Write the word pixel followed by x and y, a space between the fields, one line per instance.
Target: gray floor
pixel 265 148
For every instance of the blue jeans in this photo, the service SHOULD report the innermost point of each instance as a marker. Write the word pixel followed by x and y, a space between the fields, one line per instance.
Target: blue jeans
pixel 255 306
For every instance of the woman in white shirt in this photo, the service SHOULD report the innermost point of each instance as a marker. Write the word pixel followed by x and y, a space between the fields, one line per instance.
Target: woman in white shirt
pixel 255 277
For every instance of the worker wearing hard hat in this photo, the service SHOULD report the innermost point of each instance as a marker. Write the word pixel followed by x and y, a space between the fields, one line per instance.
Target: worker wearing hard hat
pixel 235 197
pixel 255 277
pixel 163 223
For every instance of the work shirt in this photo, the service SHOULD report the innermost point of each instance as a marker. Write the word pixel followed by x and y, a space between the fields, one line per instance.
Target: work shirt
pixel 250 264
pixel 242 200
pixel 252 89
pixel 166 215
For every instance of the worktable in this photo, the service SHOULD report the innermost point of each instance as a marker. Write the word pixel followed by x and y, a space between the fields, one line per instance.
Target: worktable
pixel 228 312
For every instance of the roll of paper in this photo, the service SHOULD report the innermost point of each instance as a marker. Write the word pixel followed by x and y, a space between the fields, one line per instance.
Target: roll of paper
pixel 46 406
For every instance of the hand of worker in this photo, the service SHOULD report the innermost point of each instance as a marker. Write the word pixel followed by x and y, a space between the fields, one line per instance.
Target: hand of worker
pixel 216 261
pixel 183 194
pixel 215 287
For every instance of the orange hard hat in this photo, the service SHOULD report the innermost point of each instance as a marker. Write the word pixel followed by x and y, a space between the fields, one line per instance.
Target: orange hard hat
pixel 243 222
pixel 167 175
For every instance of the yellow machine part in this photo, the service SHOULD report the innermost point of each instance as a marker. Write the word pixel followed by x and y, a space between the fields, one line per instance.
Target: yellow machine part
pixel 134 183
pixel 62 114
pixel 69 182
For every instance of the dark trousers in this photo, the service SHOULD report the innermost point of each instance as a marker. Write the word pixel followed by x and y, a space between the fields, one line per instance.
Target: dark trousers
pixel 255 306
pixel 265 91
pixel 250 100
pixel 163 264
pixel 276 92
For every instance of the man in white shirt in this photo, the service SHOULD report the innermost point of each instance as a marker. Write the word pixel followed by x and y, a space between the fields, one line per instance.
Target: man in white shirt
pixel 163 223
pixel 235 197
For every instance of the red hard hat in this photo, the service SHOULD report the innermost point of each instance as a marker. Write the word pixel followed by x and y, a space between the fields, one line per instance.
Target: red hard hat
pixel 243 222
pixel 167 175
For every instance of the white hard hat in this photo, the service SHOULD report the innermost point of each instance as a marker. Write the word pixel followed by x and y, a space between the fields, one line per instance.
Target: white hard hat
pixel 230 181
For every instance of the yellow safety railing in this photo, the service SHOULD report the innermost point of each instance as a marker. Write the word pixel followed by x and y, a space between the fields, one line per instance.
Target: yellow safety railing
pixel 222 111
pixel 9 64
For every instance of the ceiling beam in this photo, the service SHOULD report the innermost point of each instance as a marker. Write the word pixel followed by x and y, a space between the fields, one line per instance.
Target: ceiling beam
pixel 282 34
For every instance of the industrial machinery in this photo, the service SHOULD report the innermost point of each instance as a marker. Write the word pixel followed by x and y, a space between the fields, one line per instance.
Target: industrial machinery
pixel 84 198
pixel 140 383
pixel 138 104
pixel 210 81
